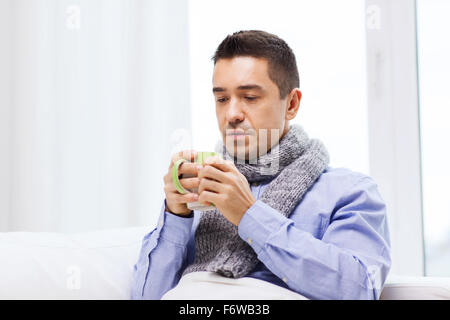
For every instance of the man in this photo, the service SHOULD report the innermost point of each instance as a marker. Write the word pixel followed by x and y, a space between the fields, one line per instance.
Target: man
pixel 283 215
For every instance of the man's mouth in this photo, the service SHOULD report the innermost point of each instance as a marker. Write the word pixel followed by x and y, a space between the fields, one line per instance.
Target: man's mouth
pixel 236 134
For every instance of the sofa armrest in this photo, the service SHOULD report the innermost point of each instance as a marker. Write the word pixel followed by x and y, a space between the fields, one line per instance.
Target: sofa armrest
pixel 416 288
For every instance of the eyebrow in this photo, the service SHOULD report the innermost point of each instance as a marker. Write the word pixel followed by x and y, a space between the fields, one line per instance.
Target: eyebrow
pixel 243 87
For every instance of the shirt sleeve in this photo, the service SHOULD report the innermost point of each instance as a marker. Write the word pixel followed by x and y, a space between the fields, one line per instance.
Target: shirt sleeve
pixel 350 261
pixel 162 256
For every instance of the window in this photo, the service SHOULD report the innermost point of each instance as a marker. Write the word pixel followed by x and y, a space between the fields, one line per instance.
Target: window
pixel 374 76
pixel 434 80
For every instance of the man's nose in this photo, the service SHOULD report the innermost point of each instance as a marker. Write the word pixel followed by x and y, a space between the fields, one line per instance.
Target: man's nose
pixel 235 113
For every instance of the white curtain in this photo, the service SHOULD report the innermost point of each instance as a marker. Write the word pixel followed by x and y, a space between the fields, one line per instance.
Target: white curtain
pixel 92 95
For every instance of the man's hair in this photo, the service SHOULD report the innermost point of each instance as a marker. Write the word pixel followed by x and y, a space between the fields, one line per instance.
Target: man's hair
pixel 282 66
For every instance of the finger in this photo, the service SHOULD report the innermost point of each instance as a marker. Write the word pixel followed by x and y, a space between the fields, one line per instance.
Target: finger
pixel 188 168
pixel 208 197
pixel 185 168
pixel 188 197
pixel 182 198
pixel 186 183
pixel 211 172
pixel 221 164
pixel 184 154
pixel 190 183
pixel 210 185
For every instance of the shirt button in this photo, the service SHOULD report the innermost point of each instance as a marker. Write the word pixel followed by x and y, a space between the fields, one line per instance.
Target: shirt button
pixel 160 223
pixel 284 279
pixel 249 241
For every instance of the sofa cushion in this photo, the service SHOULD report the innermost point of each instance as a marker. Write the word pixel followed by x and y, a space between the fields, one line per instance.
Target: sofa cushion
pixel 99 265
pixel 90 265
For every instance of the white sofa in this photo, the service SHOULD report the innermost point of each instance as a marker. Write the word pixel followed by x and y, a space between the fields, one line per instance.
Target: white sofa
pixel 99 265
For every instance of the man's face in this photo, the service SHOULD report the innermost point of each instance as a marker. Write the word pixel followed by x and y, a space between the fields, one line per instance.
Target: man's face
pixel 247 100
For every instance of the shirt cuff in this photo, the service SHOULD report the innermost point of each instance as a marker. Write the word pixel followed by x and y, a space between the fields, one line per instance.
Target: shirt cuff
pixel 258 223
pixel 175 229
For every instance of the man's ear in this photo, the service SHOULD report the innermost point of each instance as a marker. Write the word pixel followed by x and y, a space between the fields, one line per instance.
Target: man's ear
pixel 293 103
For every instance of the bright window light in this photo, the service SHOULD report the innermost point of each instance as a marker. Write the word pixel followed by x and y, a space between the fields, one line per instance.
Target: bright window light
pixel 434 74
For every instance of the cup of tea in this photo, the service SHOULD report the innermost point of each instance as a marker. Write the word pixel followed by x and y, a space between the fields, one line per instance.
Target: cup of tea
pixel 199 159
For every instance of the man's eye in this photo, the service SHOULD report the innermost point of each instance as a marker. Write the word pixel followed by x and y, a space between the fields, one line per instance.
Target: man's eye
pixel 251 98
pixel 221 100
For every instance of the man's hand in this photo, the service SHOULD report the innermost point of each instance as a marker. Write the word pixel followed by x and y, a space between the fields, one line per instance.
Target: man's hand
pixel 176 202
pixel 221 183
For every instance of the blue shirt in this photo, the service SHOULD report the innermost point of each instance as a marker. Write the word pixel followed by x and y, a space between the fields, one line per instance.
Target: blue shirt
pixel 334 245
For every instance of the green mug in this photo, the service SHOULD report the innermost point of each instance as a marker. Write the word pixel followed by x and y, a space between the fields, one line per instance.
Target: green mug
pixel 199 159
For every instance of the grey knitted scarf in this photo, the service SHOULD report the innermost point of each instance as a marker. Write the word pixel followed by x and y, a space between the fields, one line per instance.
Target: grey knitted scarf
pixel 218 246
